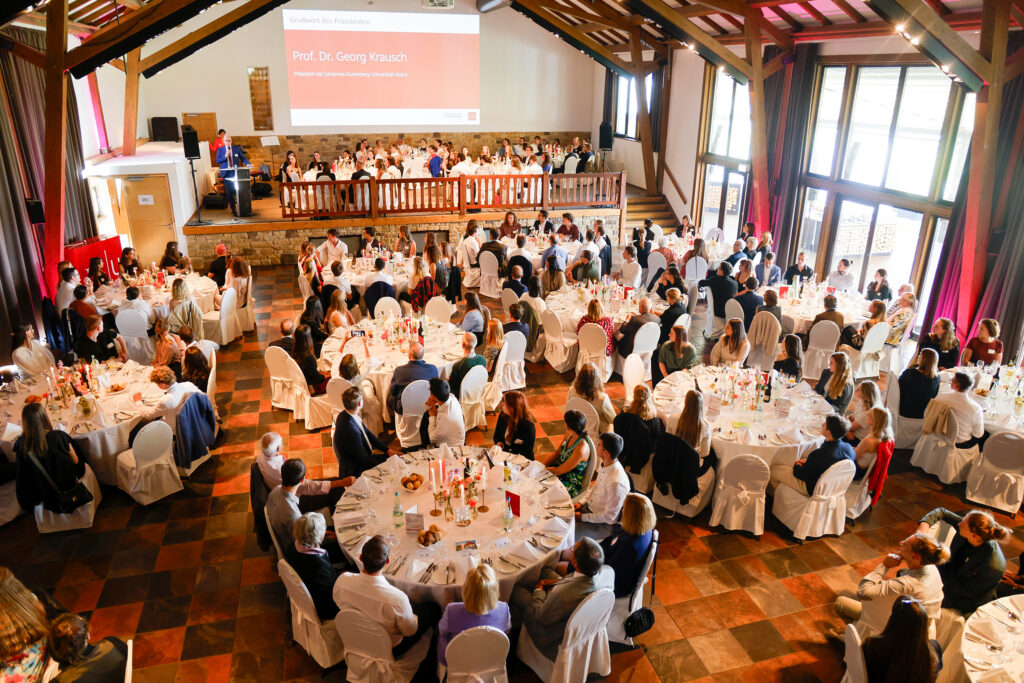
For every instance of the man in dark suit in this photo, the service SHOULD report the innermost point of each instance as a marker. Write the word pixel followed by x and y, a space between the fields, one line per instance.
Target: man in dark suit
pixel 405 375
pixel 722 287
pixel 627 333
pixel 230 158
pixel 830 312
pixel 497 248
pixel 542 223
pixel 803 475
pixel 799 271
pixel 671 314
pixel 515 321
pixel 749 299
pixel 355 446
pixel 515 281
pixel 737 255
pixel 286 342
pixel 368 240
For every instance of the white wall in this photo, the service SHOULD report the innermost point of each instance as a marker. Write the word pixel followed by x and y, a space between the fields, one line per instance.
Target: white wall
pixel 529 79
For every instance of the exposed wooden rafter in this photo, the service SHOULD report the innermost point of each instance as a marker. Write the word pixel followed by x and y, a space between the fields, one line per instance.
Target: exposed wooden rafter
pixel 937 27
pixel 38 20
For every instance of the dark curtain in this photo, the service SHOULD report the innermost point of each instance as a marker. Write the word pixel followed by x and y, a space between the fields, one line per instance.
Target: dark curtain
pixel 26 92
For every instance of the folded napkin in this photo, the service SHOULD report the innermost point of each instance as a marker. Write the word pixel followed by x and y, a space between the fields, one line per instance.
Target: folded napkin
pixel 986 629
pixel 556 526
pixel 351 517
pixel 525 553
pixel 415 567
pixel 534 470
pixel 791 434
pixel 747 436
pixel 558 496
pixel 396 466
pixel 361 487
pixel 464 563
pixel 996 675
pixel 352 540
pixel 10 432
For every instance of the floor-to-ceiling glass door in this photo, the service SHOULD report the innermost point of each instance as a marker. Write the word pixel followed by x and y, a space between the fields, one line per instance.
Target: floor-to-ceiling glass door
pixel 876 236
pixel 724 190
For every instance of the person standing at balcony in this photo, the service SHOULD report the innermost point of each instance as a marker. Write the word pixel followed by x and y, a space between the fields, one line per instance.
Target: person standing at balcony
pixel 435 163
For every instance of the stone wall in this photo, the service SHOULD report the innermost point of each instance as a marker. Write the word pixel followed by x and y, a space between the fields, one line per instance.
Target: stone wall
pixel 268 247
pixel 331 146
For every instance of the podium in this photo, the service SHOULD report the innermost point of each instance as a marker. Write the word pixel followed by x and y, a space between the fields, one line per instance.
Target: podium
pixel 243 191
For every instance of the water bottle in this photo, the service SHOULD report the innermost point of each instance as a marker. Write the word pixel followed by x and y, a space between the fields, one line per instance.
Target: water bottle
pixel 506 516
pixel 398 513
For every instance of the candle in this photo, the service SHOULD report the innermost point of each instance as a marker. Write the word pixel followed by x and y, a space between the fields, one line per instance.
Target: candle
pixel 463 489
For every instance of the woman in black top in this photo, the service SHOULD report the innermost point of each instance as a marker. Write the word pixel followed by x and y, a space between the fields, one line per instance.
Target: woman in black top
pixel 902 653
pixel 172 259
pixel 302 353
pixel 836 384
pixel 129 264
pixel 514 431
pixel 196 369
pixel 791 360
pixel 313 315
pixel 943 339
pixel 669 279
pixel 976 563
pixel 96 274
pixel 919 385
pixel 879 287
pixel 312 563
pixel 55 450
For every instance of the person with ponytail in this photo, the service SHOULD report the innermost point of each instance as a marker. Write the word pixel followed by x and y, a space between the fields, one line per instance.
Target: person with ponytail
pixel 976 562
pixel 902 653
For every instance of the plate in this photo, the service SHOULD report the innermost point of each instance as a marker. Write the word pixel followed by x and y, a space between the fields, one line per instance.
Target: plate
pixel 503 567
pixel 547 542
pixel 441 576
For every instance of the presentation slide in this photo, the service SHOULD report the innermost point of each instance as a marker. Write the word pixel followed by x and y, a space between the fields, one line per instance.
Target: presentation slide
pixel 382 68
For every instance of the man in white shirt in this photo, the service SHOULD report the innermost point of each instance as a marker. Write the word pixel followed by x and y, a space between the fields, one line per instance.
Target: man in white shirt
pixel 66 289
pixel 313 493
pixel 371 594
pixel 466 255
pixel 175 393
pixel 443 422
pixel 597 515
pixel 841 278
pixel 283 508
pixel 332 249
pixel 462 167
pixel 380 275
pixel 588 245
pixel 333 276
pixel 519 249
pixel 629 273
pixel 970 419
pixel 208 346
pixel 133 302
pixel 532 167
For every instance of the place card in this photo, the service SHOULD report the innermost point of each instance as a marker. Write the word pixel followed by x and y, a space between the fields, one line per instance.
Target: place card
pixel 783 406
pixel 714 405
pixel 513 501
pixel 414 520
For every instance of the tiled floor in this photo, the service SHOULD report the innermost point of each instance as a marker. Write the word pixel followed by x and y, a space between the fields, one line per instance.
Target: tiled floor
pixel 185 578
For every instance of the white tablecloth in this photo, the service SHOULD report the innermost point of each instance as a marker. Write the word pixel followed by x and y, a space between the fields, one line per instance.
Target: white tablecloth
pixel 360 274
pixel 354 526
pixel 570 304
pixel 1009 660
pixel 201 287
pixel 998 398
pixel 798 314
pixel 738 430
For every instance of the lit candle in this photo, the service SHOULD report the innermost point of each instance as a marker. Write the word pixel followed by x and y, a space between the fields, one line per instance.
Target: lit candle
pixel 463 489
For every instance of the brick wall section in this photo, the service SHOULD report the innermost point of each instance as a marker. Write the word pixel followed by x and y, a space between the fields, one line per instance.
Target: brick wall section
pixel 331 146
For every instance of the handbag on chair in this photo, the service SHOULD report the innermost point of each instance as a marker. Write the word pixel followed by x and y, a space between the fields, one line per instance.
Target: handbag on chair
pixel 67 501
pixel 642 620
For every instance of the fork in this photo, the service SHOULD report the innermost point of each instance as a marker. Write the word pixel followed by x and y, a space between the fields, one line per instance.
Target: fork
pixel 981 641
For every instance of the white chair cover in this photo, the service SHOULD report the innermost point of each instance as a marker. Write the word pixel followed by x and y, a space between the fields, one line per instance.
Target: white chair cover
pixel 222 326
pixel 9 507
pixel 336 388
pixel 48 522
pixel 387 305
pixel 907 430
pixel 439 309
pixel 949 631
pixel 632 373
pixel 821 343
pixel 583 651
pixel 866 360
pixel 319 639
pixel 733 309
pixel 513 374
pixel 696 269
pixel 282 389
pixel 570 165
pixel 938 455
pixel 858 496
pixel 305 288
pixel 856 667
pixel 894 359
pixel 766 327
pixel 593 343
pixel 147 471
pixel 996 478
pixel 464 257
pixel 314 410
pixel 714 235
pixel 490 282
pixel 368 651
pixel 472 397
pixel 658 232
pixel 756 260
pixel 246 314
pixel 644 345
pixel 655 262
pixel 560 349
pixel 694 506
pixel 713 325
pixel 625 606
pixel 631 275
pixel 508 297
pixel 823 512
pixel 134 327
pixel 477 655
pixel 739 497
pixel 588 410
pixel 414 396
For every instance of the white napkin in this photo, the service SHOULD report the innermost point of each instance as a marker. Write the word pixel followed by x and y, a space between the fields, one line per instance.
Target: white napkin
pixel 791 435
pixel 557 496
pixel 748 436
pixel 996 675
pixel 985 628
pixel 346 518
pixel 11 432
pixel 352 540
pixel 533 470
pixel 464 563
pixel 524 552
pixel 415 568
pixel 397 466
pixel 361 487
pixel 556 525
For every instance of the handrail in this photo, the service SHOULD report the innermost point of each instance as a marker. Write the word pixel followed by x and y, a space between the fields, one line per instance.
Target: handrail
pixel 675 184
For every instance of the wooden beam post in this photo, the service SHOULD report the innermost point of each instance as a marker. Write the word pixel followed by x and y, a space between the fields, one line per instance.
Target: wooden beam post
pixel 131 103
pixel 643 116
pixel 622 208
pixel 666 96
pixel 760 199
pixel 97 112
pixel 54 152
pixel 981 181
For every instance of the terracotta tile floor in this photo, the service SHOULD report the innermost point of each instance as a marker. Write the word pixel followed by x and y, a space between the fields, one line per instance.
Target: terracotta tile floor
pixel 185 578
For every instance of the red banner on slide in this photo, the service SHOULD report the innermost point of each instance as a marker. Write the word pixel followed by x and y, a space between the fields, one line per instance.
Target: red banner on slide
pixel 367 70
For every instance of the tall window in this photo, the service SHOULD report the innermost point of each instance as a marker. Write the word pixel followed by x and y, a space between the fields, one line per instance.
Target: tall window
pixel 259 94
pixel 621 96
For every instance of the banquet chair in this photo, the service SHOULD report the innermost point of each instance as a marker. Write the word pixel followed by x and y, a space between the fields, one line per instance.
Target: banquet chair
pixel 561 348
pixel 755 261
pixel 194 425
pixel 283 392
pixel 407 425
pixel 134 327
pixel 764 340
pixel 696 269
pixel 658 232
pixel 386 306
pixel 147 471
pixel 477 655
pixel 258 492
pixel 305 288
pixel 894 359
pixel 490 282
pixel 866 360
pixel 211 392
pixel 632 373
pixel 936 452
pixel 593 344
pixel 315 411
pixel 856 667
pixel 374 293
pixel 48 522
pixel 692 507
pixel 320 639
pixel 740 495
pixel 472 397
pixel 336 387
pixel 713 325
pixel 513 371
pixel 907 430
pixel 858 496
pixel 368 650
pixel 626 605
pixel 9 507
pixel 656 265
pixel 570 164
pixel 644 345
pixel 821 344
pixel 824 511
pixel 584 649
pixel 996 478
pixel 222 326
pixel 246 313
pixel 508 297
pixel 714 235
pixel 631 273
pixel 733 309
pixel 439 309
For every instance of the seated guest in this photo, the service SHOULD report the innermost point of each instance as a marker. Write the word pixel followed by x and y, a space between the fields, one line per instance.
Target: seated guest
pixel 26 629
pixel 906 306
pixel 175 393
pixel 470 359
pixel 764 244
pixel 630 273
pixel 520 249
pixel 587 268
pixel 830 313
pixel 31 356
pixel 699 249
pixel 533 296
pixel 790 360
pixel 878 288
pixel 371 594
pixel 744 270
pixel 836 383
pixel 568 229
pixel 976 563
pixel 643 243
pixel 368 242
pixel 515 281
pixel 569 462
pixel 803 475
pixel 750 247
pixel 737 255
pixel 494 341
pixel 99 344
pixel 219 266
pixel 595 314
pixel 312 563
pixel 553 278
pixel 514 431
pixel 682 458
pixel 404 244
pixel 677 353
pixel 337 315
pixel 626 334
pixel 750 300
pixel 670 279
pixel 664 250
pixel 480 607
pixel 405 375
pixel 353 443
pixel 66 289
pixel 283 509
pixel 919 384
pixel 558 251
pixel 169 349
pixel 207 346
pixel 722 287
pixel 313 318
pixel 96 273
pixel 437 265
pixel 81 661
pixel 597 515
pixel 509 226
pixel 943 339
pixel 132 302
pixel 799 272
pixel 380 274
pixel 184 311
pixel 53 450
pixel 172 261
pixel 589 386
pixel 970 419
pixel 196 369
pixel 676 308
pixel 422 287
pixel 128 265
pixel 515 323
pixel 766 272
pixel 302 353
pixel 443 422
pixel 986 347
pixel 640 428
pixel 876 446
pixel 473 318
pixel 733 346
pixel 542 224
pixel 313 494
pixel 902 653
pixel 626 547
pixel 496 247
pixel 865 397
pixel 80 305
pixel 771 304
pixel 854 336
pixel 842 278
pixel 546 610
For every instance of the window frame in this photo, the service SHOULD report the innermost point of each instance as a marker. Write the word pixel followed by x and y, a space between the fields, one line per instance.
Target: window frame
pixel 611 95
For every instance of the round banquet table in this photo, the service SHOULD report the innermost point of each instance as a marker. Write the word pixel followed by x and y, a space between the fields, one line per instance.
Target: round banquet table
pixel 570 304
pixel 997 398
pixel 535 247
pixel 798 314
pixel 104 433
pixel 992 623
pixel 360 274
pixel 775 438
pixel 200 287
pixel 717 251
pixel 545 517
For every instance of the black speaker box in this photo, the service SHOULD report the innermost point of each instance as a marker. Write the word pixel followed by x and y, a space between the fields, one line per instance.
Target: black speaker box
pixel 215 201
pixel 35 211
pixel 164 129
pixel 606 135
pixel 190 140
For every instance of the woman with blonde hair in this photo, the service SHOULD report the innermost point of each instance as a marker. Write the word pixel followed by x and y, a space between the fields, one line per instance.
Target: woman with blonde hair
pixel 493 342
pixel 640 429
pixel 867 396
pixel 184 311
pixel 764 245
pixel 24 631
pixel 699 249
pixel 693 426
pixel 589 386
pixel 595 314
pixel 309 264
pixel 626 548
pixel 337 314
pixel 480 606
pixel 836 384
pixel 733 347
pixel 877 446
pixel 170 350
pixel 943 340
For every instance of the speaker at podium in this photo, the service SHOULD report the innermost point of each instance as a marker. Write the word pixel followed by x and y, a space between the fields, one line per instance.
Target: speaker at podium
pixel 243 190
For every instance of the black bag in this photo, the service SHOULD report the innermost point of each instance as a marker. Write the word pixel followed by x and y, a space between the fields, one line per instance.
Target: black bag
pixel 67 501
pixel 262 190
pixel 642 619
pixel 215 201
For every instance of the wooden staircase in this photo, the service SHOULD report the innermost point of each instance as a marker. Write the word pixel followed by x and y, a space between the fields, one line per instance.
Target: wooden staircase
pixel 656 208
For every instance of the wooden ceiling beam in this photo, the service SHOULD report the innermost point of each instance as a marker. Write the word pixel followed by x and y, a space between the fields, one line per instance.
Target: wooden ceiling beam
pixel 1014 66
pixel 788 18
pixel 939 7
pixel 960 21
pixel 577 13
pixel 576 38
pixel 816 13
pixel 850 11
pixel 777 63
pixel 19 49
pixel 780 37
pixel 38 20
pixel 936 25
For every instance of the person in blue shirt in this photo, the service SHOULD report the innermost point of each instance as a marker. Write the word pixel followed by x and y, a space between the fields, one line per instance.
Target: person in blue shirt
pixel 515 281
pixel 749 299
pixel 556 250
pixel 737 254
pixel 436 163
pixel 229 158
pixel 767 272
pixel 804 474
pixel 515 321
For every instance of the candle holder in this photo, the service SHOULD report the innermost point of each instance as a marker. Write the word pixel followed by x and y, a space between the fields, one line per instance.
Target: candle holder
pixel 436 512
pixel 483 498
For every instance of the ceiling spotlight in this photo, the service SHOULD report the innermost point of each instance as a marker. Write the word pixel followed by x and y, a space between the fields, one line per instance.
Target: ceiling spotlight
pixel 945 68
pixel 722 68
pixel 692 47
pixel 915 41
pixel 899 28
